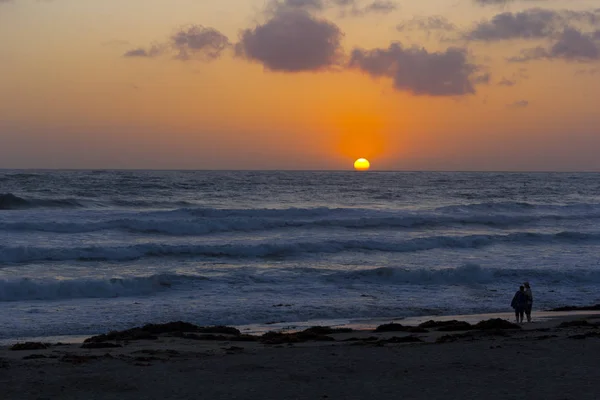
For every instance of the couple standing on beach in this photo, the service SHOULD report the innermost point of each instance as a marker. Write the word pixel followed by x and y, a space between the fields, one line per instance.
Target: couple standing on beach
pixel 522 302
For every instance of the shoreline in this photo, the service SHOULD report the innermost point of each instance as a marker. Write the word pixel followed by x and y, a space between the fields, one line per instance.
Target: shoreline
pixel 354 324
pixel 361 324
pixel 552 358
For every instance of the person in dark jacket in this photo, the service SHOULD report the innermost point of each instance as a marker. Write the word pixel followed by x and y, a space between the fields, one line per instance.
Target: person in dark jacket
pixel 519 302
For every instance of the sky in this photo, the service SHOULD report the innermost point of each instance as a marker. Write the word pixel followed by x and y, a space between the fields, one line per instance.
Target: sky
pixel 476 85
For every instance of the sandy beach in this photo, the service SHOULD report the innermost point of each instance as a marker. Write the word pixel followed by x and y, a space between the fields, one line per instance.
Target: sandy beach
pixel 554 358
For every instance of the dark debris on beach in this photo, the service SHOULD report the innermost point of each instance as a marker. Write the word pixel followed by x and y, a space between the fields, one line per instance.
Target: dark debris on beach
pixel 577 308
pixel 189 331
pixel 393 327
pixel 577 324
pixel 150 332
pixel 29 346
pixel 216 333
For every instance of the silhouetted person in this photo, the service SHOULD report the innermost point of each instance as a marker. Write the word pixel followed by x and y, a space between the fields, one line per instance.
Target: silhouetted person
pixel 519 302
pixel 529 302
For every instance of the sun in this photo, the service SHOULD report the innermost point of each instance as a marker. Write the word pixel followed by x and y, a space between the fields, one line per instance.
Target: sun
pixel 362 164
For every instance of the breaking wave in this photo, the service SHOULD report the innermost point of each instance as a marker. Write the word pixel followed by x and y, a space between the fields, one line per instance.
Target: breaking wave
pixel 468 274
pixel 21 254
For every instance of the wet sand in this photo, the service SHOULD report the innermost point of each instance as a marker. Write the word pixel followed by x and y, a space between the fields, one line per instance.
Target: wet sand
pixel 543 360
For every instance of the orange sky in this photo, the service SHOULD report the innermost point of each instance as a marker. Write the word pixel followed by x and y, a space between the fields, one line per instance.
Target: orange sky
pixel 70 98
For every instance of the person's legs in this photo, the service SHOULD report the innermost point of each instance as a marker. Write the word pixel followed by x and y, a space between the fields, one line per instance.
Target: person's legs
pixel 528 312
pixel 516 314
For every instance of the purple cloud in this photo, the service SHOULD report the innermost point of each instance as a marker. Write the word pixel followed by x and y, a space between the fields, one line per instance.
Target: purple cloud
pixel 428 24
pixel 197 41
pixel 192 42
pixel 571 45
pixel 502 2
pixel 152 51
pixel 292 41
pixel 536 23
pixel 417 71
pixel 376 7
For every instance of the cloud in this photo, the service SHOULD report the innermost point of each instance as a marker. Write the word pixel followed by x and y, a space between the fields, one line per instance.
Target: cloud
pixel 428 24
pixel 197 41
pixel 518 104
pixel 347 7
pixel 152 51
pixel 571 45
pixel 535 23
pixel 292 41
pixel 376 7
pixel 314 4
pixel 420 72
pixel 310 5
pixel 507 82
pixel 532 24
pixel 502 2
pixel 191 42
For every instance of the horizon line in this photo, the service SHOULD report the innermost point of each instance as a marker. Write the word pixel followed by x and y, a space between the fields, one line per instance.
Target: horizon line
pixel 306 170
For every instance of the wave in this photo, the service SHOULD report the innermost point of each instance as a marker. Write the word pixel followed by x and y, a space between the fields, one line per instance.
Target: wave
pixel 469 274
pixel 9 201
pixel 24 254
pixel 54 289
pixel 518 207
pixel 201 221
pixel 463 275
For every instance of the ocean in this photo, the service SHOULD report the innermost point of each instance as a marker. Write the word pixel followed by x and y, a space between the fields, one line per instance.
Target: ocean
pixel 83 252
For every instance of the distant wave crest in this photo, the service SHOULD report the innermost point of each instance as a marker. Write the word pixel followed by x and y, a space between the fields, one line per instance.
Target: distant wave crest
pixel 9 201
pixel 202 221
pixel 54 289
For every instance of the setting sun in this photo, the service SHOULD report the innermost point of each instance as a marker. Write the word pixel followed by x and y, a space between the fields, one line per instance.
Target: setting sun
pixel 362 164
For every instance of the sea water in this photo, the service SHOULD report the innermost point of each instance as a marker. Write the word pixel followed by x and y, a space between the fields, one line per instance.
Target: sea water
pixel 83 252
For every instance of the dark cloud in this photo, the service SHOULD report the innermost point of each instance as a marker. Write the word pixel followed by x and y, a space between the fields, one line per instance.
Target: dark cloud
pixel 314 4
pixel 536 23
pixel 191 42
pixel 197 41
pixel 420 72
pixel 292 41
pixel 518 104
pixel 347 7
pixel 571 45
pixel 575 45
